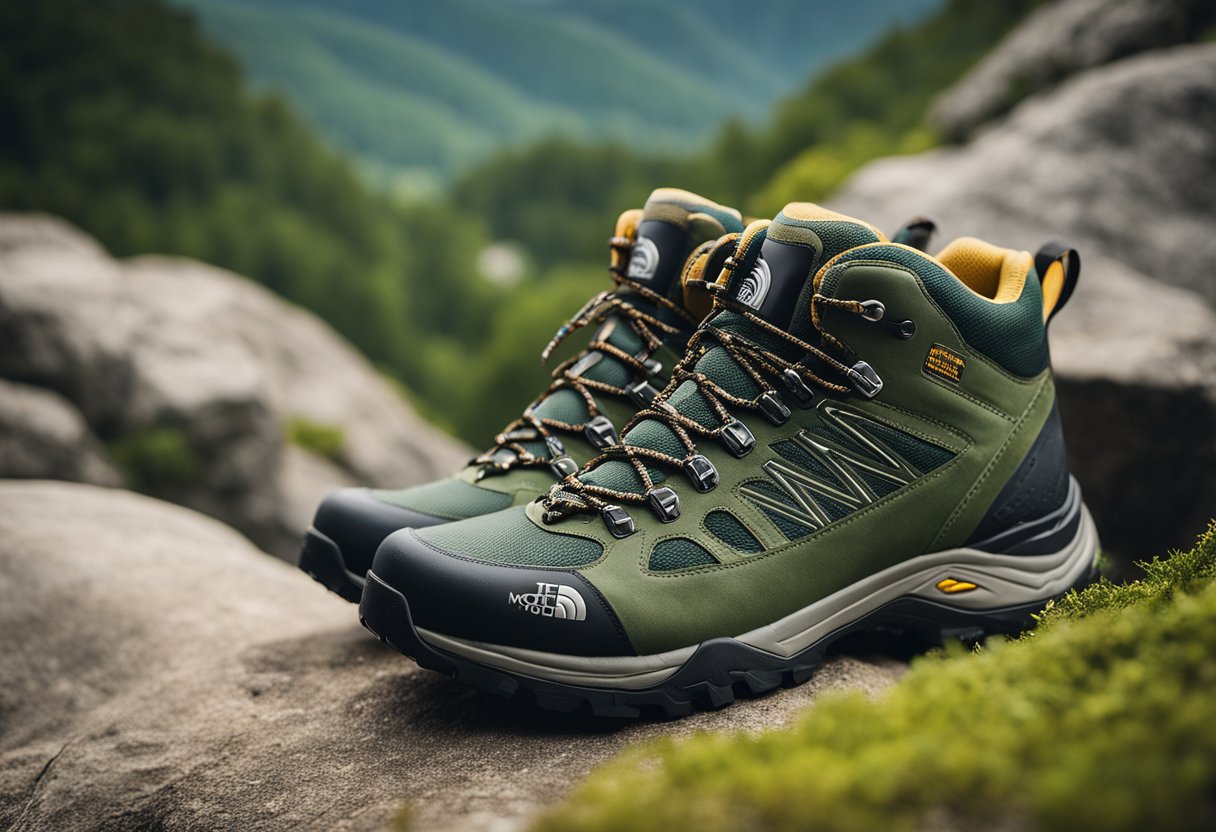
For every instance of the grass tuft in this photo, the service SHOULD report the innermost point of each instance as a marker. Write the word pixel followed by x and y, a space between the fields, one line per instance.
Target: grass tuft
pixel 316 437
pixel 156 458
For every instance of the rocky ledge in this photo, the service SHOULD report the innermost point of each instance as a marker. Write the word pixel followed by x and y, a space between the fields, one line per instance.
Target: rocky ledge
pixel 162 673
pixel 189 382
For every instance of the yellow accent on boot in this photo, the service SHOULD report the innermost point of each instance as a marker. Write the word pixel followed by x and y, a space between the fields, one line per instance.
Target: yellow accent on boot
pixel 951 586
pixel 994 273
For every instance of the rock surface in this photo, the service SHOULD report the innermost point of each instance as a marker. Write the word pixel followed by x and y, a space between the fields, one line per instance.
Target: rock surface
pixel 43 435
pixel 1091 162
pixel 1059 40
pixel 169 359
pixel 160 672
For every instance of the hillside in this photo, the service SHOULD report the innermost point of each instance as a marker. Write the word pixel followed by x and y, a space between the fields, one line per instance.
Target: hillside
pixel 418 92
pixel 869 104
pixel 121 118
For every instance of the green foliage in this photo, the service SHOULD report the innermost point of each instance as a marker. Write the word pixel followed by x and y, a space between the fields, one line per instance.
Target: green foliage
pixel 418 87
pixel 156 459
pixel 1163 578
pixel 316 437
pixel 814 173
pixel 1102 719
pixel 560 198
pixel 121 118
pixel 860 108
pixel 386 97
pixel 882 93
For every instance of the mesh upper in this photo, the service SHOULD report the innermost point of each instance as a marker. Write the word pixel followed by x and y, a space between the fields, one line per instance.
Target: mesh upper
pixel 679 553
pixel 727 528
pixel 568 406
pixel 451 499
pixel 920 454
pixel 509 537
pixel 716 364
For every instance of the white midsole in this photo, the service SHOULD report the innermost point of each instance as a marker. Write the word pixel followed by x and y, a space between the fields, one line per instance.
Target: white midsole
pixel 1001 581
pixel 631 672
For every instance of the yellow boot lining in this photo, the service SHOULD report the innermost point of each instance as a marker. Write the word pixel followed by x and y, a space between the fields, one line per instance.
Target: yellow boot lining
pixel 994 273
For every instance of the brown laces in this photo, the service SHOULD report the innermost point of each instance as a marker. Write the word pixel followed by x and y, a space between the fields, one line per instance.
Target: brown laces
pixel 572 495
pixel 509 450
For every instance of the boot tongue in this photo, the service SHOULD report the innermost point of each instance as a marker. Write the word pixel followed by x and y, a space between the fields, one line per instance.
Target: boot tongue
pixel 673 223
pixel 773 265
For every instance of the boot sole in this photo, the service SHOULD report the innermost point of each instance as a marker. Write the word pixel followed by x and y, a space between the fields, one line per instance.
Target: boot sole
pixel 322 559
pixel 714 673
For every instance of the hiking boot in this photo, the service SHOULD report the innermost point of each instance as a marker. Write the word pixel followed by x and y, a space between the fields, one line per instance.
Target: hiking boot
pixel 860 435
pixel 643 326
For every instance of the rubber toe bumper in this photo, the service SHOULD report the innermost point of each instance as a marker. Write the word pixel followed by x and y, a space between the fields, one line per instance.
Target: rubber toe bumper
pixel 516 606
pixel 347 528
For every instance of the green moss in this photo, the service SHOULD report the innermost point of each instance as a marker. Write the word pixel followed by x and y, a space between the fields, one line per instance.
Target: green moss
pixel 1101 719
pixel 156 458
pixel 316 437
pixel 403 820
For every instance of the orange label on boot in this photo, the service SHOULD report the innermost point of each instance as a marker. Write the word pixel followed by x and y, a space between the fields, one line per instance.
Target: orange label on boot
pixel 943 363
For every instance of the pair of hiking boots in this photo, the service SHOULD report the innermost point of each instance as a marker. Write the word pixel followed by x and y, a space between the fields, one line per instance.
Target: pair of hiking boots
pixel 777 435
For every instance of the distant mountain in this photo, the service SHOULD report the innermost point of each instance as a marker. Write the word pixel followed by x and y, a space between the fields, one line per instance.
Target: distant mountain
pixel 413 88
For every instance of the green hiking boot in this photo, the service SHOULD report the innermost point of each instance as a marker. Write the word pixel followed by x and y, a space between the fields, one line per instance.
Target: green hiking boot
pixel 643 327
pixel 860 435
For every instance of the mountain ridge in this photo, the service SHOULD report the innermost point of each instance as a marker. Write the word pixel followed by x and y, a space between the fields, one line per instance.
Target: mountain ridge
pixel 420 93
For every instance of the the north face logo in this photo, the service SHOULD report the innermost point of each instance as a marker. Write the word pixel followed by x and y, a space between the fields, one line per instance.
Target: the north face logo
pixel 551 601
pixel 644 261
pixel 754 288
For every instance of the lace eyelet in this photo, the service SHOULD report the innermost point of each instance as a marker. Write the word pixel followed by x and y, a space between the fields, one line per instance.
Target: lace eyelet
pixel 701 473
pixel 875 312
pixel 563 466
pixel 642 394
pixel 798 388
pixel 601 433
pixel 665 504
pixel 618 522
pixel 737 439
pixel 773 408
pixel 865 380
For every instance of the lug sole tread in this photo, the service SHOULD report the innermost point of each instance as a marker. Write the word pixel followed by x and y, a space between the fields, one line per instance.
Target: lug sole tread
pixel 719 672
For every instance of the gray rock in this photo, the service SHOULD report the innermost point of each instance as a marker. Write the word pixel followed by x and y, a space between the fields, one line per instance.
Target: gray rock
pixel 43 437
pixel 1119 162
pixel 193 374
pixel 1121 159
pixel 1057 41
pixel 160 672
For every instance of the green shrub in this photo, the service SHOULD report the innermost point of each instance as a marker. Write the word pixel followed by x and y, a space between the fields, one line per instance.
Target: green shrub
pixel 1103 718
pixel 316 437
pixel 155 459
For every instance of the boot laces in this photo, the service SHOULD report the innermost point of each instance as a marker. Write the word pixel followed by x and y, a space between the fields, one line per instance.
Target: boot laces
pixel 509 450
pixel 760 363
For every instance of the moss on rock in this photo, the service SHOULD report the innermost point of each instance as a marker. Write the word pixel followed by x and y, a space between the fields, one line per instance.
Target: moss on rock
pixel 316 437
pixel 1102 718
